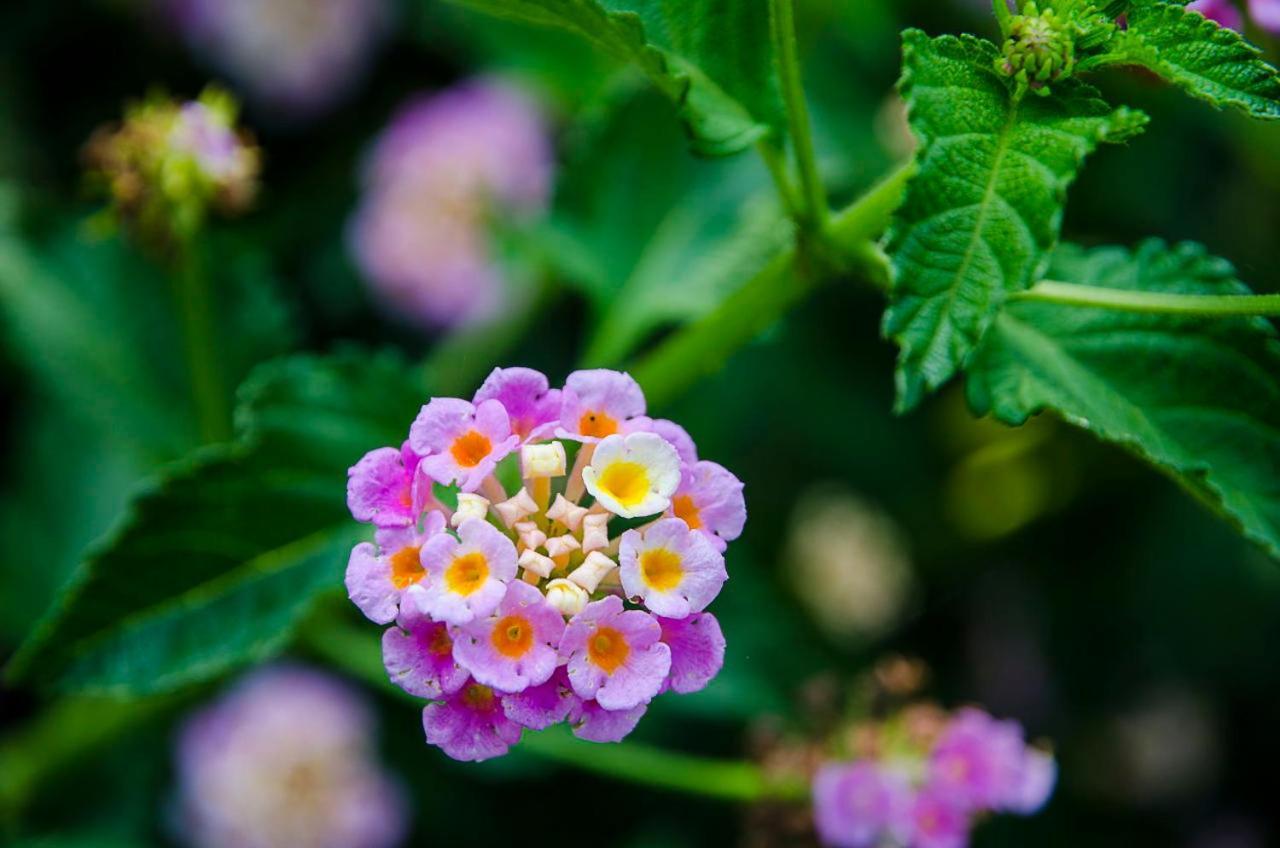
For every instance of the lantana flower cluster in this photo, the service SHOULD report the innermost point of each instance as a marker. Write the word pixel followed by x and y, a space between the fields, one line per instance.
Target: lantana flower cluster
pixel 577 593
pixel 923 778
pixel 168 163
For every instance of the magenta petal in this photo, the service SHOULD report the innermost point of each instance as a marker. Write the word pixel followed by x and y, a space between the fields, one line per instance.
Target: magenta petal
pixel 418 655
pixel 539 707
pixel 379 489
pixel 596 724
pixel 470 725
pixel 697 650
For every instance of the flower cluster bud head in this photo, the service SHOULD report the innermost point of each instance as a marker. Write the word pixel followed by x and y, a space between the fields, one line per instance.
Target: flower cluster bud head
pixel 168 164
pixel 1039 50
pixel 511 617
pixel 545 460
pixel 469 506
pixel 567 596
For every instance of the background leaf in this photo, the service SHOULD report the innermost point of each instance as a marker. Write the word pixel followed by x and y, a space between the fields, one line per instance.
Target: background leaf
pixel 712 58
pixel 223 554
pixel 1210 62
pixel 984 210
pixel 1198 398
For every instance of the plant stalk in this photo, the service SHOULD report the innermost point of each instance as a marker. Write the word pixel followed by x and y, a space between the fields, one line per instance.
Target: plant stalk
pixel 195 307
pixel 1153 303
pixel 782 25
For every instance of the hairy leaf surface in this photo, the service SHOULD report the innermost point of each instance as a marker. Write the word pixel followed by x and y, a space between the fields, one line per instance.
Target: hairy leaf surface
pixel 985 208
pixel 222 555
pixel 712 58
pixel 1211 62
pixel 1199 398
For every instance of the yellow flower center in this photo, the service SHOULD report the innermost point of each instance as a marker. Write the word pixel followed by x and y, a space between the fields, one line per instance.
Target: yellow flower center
pixel 466 573
pixel 627 482
pixel 470 449
pixel 513 637
pixel 597 424
pixel 661 568
pixel 406 567
pixel 608 649
pixel 687 511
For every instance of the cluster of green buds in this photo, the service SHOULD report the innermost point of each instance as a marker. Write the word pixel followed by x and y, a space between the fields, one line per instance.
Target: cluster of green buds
pixel 1038 49
pixel 169 163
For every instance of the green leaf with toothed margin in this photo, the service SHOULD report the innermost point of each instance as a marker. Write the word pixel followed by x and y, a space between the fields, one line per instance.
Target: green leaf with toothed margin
pixel 1209 62
pixel 984 210
pixel 1198 398
pixel 221 556
pixel 712 58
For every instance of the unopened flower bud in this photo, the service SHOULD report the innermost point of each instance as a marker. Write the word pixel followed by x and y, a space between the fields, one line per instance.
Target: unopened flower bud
pixel 1040 49
pixel 539 564
pixel 567 596
pixel 530 536
pixel 567 513
pixel 516 508
pixel 595 532
pixel 546 460
pixel 558 546
pixel 592 571
pixel 469 506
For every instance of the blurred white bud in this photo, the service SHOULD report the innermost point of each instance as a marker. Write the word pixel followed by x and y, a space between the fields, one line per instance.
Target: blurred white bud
pixel 470 506
pixel 566 596
pixel 546 460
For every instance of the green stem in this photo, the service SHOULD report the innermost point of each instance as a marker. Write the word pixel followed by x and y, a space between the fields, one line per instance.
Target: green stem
pixel 776 161
pixel 702 347
pixel 357 651
pixel 1003 16
pixel 195 306
pixel 782 24
pixel 1154 303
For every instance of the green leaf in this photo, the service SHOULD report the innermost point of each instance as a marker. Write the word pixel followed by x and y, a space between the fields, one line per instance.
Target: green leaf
pixel 1199 398
pixel 672 247
pixel 712 58
pixel 1210 62
pixel 223 554
pixel 985 209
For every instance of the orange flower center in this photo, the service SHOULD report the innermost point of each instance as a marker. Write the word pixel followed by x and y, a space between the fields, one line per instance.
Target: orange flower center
pixel 513 637
pixel 597 424
pixel 440 645
pixel 687 511
pixel 406 567
pixel 661 568
pixel 466 573
pixel 608 649
pixel 478 697
pixel 470 449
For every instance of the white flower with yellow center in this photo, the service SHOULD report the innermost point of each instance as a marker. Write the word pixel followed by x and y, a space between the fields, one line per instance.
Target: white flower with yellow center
pixel 633 476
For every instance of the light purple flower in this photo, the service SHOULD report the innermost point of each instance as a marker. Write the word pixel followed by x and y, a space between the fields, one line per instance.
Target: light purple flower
pixel 377 580
pixel 286 759
pixel 675 571
pixel 385 489
pixel 210 139
pixel 697 651
pixel 1224 12
pixel 599 403
pixel 858 805
pixel 541 706
pixel 467 576
pixel 294 58
pixel 470 724
pixel 515 646
pixel 977 762
pixel 935 821
pixel 461 443
pixel 532 405
pixel 1266 14
pixel 594 723
pixel 710 499
pixel 446 166
pixel 418 655
pixel 1039 775
pixel 615 657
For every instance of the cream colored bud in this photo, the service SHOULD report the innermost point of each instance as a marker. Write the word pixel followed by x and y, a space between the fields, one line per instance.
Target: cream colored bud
pixel 516 508
pixel 595 532
pixel 561 545
pixel 530 536
pixel 567 513
pixel 566 596
pixel 470 506
pixel 592 571
pixel 547 460
pixel 540 565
